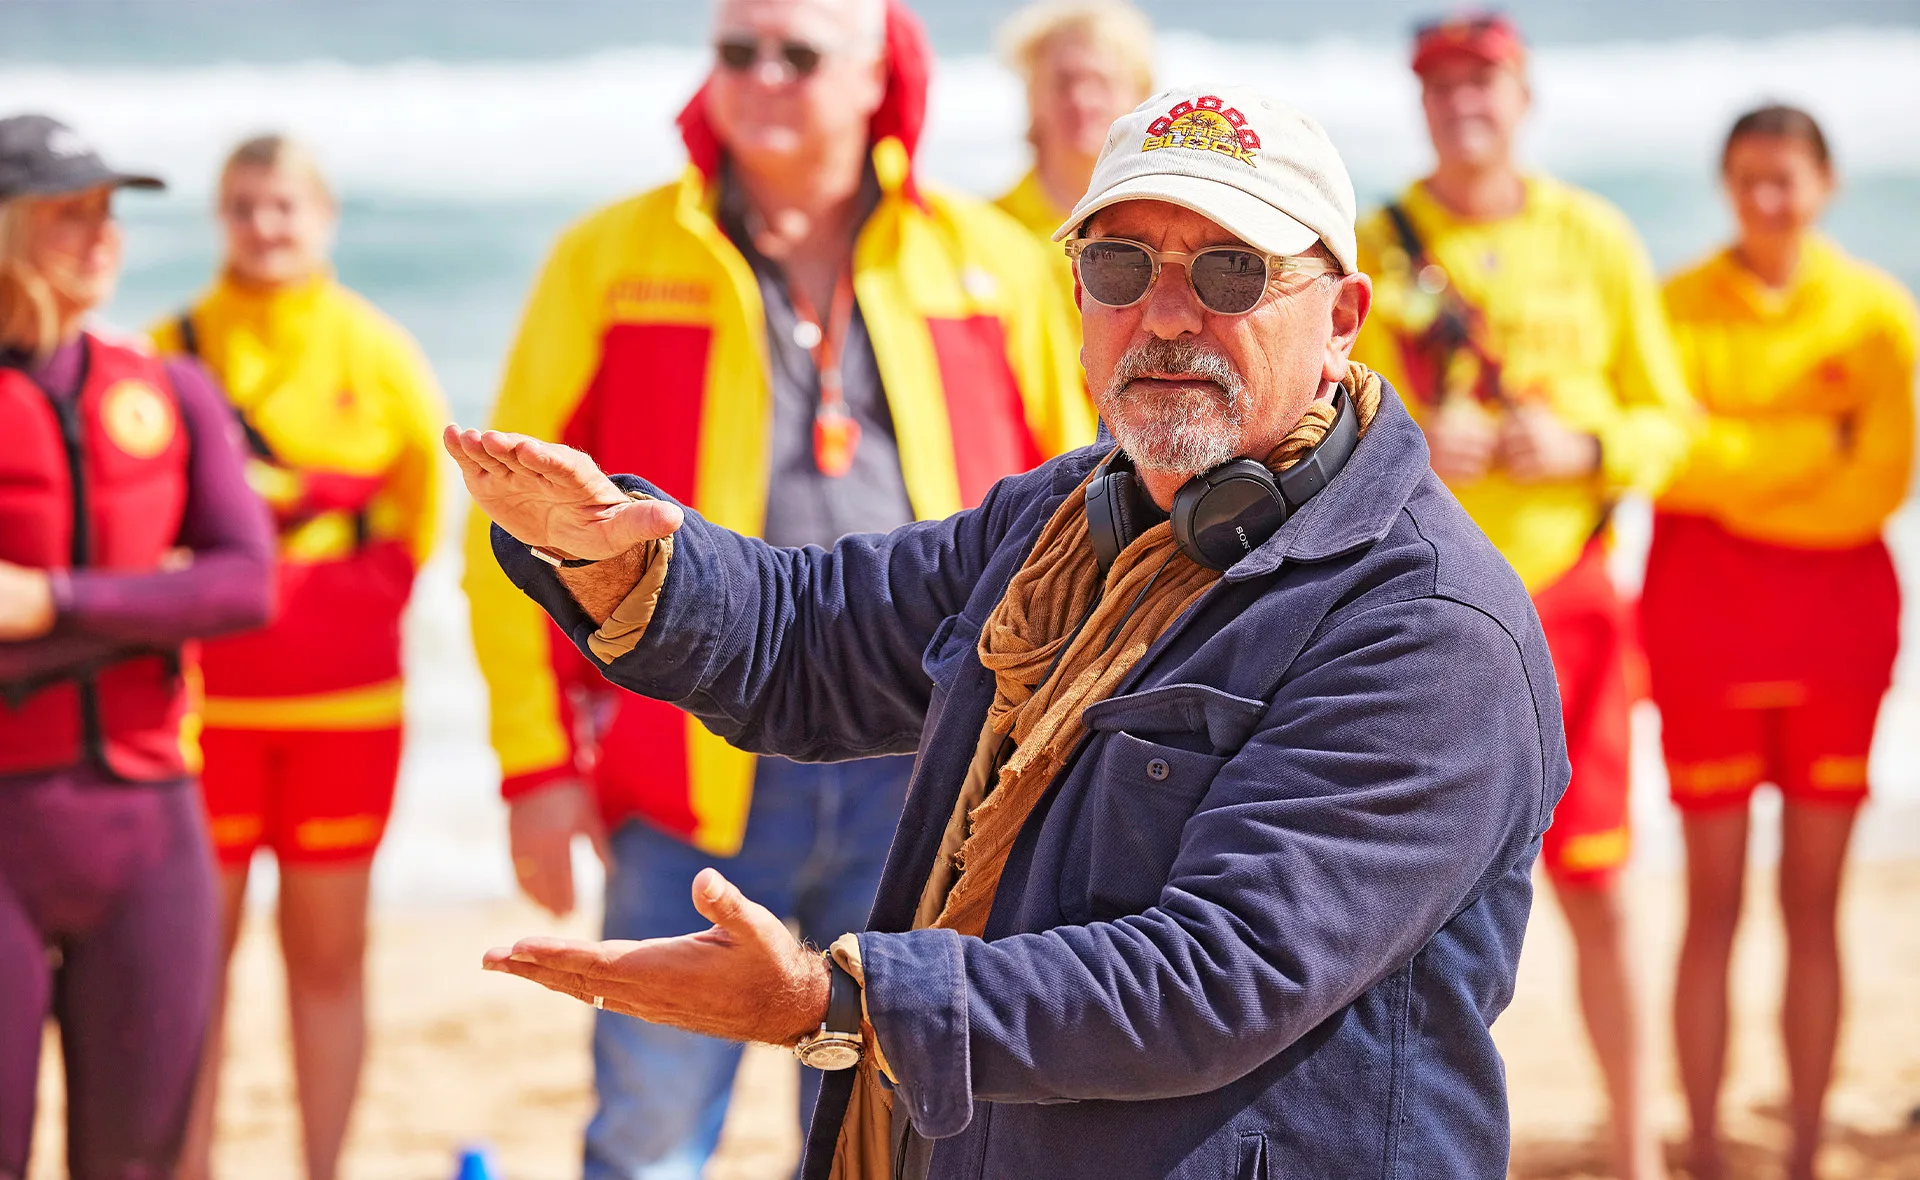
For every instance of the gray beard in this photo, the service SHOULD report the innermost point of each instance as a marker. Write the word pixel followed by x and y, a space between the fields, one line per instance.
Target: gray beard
pixel 1186 433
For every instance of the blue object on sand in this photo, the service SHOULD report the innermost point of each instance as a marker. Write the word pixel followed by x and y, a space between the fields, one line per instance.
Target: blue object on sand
pixel 476 1163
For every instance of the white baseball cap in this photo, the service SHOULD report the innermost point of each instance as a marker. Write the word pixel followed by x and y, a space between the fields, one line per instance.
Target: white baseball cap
pixel 1262 170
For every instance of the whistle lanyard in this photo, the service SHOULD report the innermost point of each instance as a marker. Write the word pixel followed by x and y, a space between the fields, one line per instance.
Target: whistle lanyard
pixel 836 436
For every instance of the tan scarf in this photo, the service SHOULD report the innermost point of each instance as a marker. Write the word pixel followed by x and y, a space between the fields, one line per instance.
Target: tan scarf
pixel 1041 712
pixel 1150 585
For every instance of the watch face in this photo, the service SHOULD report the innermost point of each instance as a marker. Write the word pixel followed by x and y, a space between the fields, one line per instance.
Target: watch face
pixel 831 1051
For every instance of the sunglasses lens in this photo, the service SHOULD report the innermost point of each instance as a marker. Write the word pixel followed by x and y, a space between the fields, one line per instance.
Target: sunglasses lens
pixel 1115 273
pixel 803 57
pixel 737 55
pixel 1229 281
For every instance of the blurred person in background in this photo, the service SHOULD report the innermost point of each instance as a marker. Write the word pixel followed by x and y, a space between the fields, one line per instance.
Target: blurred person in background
pixel 126 531
pixel 801 340
pixel 1085 63
pixel 1523 320
pixel 1771 611
pixel 303 719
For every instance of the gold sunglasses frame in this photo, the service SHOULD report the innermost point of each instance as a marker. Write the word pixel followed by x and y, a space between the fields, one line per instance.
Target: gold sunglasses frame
pixel 1277 265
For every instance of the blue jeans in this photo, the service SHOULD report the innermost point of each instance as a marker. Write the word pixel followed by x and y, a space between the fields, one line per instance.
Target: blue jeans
pixel 816 839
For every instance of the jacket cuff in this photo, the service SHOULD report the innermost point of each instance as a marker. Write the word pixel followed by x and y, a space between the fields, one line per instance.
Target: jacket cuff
pixel 627 625
pixel 515 786
pixel 693 609
pixel 60 589
pixel 916 998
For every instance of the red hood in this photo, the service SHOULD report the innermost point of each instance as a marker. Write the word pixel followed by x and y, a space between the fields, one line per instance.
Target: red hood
pixel 903 108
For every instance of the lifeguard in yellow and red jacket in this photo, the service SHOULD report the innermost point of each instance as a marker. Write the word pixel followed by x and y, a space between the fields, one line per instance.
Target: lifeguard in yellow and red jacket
pixel 798 339
pixel 302 733
pixel 647 303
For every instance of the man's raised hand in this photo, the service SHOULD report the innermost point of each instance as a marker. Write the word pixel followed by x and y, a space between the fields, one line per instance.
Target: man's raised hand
pixel 553 497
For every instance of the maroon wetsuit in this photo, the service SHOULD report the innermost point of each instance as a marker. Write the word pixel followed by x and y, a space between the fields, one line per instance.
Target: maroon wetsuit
pixel 108 918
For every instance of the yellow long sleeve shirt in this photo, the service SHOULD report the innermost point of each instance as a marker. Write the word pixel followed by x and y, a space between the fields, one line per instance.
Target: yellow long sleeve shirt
pixel 1809 398
pixel 1572 312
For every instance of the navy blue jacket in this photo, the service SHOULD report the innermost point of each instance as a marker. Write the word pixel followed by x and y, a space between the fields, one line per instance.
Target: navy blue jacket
pixel 1259 926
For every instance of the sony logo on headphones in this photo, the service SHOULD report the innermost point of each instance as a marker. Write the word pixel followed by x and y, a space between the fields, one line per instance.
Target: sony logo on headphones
pixel 1242 534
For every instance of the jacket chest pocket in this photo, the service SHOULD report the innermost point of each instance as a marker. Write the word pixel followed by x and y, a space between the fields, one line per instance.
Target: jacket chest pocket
pixel 1155 754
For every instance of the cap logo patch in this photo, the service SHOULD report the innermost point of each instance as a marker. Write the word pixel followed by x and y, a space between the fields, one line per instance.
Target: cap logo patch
pixel 1204 125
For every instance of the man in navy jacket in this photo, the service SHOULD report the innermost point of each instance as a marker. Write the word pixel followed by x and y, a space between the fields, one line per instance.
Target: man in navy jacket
pixel 1267 907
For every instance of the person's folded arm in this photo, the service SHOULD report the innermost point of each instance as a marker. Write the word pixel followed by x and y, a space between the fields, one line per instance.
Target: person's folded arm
pixel 1400 770
pixel 807 653
pixel 224 580
pixel 1745 459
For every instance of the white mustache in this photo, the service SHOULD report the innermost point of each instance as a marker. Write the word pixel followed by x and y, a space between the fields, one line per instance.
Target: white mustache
pixel 1177 360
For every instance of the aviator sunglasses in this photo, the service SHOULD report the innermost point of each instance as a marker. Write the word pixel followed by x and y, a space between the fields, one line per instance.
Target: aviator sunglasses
pixel 1227 280
pixel 741 52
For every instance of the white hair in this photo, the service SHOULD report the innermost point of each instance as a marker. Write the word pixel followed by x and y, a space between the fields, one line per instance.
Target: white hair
pixel 1116 27
pixel 867 21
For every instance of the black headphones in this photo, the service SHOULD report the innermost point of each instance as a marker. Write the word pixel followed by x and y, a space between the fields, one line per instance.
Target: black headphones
pixel 1222 515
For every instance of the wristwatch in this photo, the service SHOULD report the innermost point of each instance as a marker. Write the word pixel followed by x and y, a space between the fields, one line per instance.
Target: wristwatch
pixel 561 561
pixel 837 1044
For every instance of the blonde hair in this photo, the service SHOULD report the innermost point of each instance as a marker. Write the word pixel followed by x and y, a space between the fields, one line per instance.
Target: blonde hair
pixel 277 152
pixel 29 314
pixel 1114 25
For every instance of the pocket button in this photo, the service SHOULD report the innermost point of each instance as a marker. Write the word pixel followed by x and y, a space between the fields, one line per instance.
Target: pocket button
pixel 1158 770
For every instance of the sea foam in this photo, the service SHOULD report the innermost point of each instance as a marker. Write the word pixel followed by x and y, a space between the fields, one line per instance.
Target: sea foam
pixel 599 125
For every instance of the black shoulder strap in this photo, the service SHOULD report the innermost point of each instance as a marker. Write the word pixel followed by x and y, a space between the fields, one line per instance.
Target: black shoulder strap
pixel 190 344
pixel 189 335
pixel 1409 237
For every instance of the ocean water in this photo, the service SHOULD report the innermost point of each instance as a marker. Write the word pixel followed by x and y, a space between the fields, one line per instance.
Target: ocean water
pixel 463 136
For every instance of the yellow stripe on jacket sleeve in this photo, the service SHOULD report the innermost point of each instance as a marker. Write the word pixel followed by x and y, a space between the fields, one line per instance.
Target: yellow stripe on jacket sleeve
pixel 902 273
pixel 552 359
pixel 1644 435
pixel 719 789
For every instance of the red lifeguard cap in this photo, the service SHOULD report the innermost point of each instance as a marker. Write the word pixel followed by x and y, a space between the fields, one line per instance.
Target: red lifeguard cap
pixel 1483 36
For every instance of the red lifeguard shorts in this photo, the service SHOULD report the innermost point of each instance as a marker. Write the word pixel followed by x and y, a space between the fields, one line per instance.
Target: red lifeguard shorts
pixel 1591 637
pixel 313 796
pixel 1814 750
pixel 1768 662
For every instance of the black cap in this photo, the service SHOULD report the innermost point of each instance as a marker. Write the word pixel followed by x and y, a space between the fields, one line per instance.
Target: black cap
pixel 45 157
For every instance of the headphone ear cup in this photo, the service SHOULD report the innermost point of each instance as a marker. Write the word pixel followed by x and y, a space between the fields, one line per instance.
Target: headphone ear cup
pixel 1109 525
pixel 1227 513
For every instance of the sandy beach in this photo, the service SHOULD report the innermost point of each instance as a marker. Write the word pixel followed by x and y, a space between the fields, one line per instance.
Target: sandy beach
pixel 461 1056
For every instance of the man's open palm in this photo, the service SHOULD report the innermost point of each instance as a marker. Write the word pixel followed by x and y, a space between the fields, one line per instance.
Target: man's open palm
pixel 554 497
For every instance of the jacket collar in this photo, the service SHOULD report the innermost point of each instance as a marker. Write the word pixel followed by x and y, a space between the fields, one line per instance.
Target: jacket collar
pixel 1361 503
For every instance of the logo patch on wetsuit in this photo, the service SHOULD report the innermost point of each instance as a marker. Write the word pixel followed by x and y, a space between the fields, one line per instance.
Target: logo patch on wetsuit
pixel 138 418
pixel 1207 124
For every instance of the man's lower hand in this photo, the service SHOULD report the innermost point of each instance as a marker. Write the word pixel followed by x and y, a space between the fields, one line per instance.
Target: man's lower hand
pixel 746 979
pixel 553 497
pixel 541 826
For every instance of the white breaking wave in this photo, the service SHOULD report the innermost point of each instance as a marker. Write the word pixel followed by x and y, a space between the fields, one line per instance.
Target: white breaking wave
pixel 590 127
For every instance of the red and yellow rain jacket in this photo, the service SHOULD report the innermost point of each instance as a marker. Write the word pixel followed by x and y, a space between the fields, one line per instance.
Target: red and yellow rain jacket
pixel 644 345
pixel 343 417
